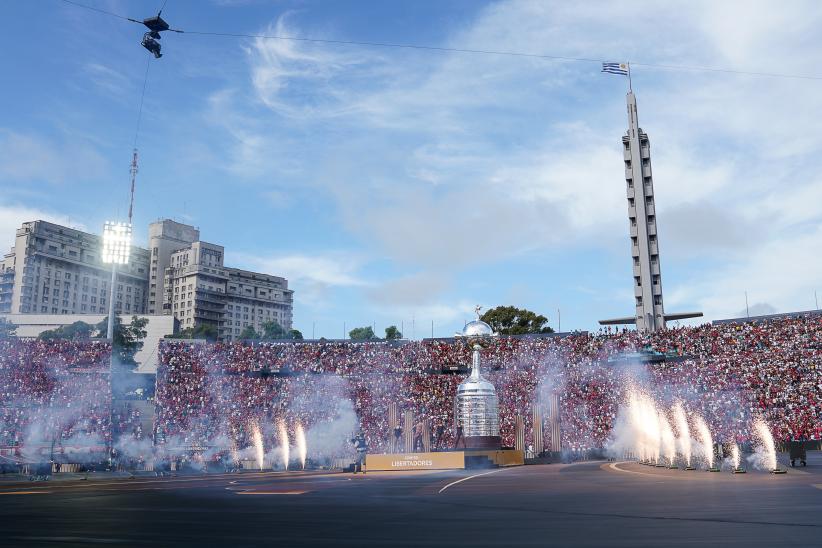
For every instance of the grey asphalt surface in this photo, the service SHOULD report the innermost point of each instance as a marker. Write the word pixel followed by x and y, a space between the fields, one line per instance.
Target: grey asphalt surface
pixel 585 504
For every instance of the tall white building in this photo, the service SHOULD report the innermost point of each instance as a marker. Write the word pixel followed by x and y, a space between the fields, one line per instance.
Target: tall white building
pixel 201 290
pixel 54 269
pixel 647 273
pixel 164 238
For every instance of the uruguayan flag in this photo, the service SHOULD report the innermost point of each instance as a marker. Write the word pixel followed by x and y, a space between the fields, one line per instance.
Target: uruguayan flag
pixel 615 68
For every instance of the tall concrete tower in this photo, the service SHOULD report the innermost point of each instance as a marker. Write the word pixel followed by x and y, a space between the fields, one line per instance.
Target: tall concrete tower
pixel 636 149
pixel 650 314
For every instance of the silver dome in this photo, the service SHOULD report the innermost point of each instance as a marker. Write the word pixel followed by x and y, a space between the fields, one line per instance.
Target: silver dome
pixel 477 328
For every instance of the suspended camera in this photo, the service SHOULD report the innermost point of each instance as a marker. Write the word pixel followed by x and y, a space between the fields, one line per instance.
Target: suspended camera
pixel 155 25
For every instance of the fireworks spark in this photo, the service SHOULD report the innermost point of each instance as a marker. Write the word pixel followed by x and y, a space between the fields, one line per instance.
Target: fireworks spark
pixel 302 448
pixel 284 450
pixel 257 437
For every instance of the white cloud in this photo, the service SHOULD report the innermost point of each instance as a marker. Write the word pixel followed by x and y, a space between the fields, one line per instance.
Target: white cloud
pixel 312 277
pixel 292 78
pixel 335 269
pixel 417 318
pixel 442 161
pixel 412 290
pixel 783 272
pixel 107 79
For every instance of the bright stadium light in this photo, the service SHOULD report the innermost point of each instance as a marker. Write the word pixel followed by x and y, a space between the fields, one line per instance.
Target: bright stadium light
pixel 116 242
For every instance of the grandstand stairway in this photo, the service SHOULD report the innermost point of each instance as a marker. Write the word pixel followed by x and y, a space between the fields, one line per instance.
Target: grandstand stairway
pixel 146 412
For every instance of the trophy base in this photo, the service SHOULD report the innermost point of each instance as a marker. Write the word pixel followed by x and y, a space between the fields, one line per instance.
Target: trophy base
pixel 482 442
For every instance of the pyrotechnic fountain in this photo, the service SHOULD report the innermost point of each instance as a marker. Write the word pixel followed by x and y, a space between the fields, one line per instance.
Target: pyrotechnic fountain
pixel 257 437
pixel 668 441
pixel 707 443
pixel 235 455
pixel 736 461
pixel 284 450
pixel 644 431
pixel 644 427
pixel 768 449
pixel 649 424
pixel 684 432
pixel 302 448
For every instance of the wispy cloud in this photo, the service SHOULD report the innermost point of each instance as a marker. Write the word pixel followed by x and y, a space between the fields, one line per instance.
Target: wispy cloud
pixel 312 277
pixel 107 79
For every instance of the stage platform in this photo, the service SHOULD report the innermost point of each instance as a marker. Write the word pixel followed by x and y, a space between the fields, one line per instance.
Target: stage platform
pixel 445 460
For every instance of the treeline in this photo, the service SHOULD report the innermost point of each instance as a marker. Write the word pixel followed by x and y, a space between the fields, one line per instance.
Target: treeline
pixel 271 331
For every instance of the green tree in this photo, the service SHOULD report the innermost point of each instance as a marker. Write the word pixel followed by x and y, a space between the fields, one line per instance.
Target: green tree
pixel 248 334
pixel 7 329
pixel 392 333
pixel 295 334
pixel 77 330
pixel 128 338
pixel 201 331
pixel 362 333
pixel 509 320
pixel 272 330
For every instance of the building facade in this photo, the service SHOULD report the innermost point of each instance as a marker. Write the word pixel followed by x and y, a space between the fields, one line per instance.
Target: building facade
pixel 164 238
pixel 200 290
pixel 54 269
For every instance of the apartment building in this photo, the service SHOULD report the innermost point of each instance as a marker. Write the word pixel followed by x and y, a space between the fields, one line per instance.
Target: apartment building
pixel 201 290
pixel 53 269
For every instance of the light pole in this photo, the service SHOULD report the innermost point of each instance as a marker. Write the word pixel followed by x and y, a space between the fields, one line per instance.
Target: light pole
pixel 116 244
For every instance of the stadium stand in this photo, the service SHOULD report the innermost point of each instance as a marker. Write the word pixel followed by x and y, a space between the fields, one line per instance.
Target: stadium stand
pixel 56 394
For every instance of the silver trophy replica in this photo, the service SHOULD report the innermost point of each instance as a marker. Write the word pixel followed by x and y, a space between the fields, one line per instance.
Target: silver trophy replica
pixel 476 408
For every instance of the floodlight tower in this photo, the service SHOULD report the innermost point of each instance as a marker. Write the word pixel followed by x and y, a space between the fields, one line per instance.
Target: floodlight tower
pixel 116 244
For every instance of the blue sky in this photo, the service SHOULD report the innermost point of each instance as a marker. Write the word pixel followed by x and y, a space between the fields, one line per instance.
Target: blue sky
pixel 396 185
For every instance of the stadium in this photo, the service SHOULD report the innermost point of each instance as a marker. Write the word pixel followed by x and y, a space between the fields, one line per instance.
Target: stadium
pixel 279 416
pixel 150 394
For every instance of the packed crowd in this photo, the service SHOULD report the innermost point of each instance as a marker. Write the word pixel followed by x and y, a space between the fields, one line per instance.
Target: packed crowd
pixel 729 373
pixel 54 396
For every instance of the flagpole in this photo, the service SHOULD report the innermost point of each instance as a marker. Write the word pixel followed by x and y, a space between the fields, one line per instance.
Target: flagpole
pixel 630 87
